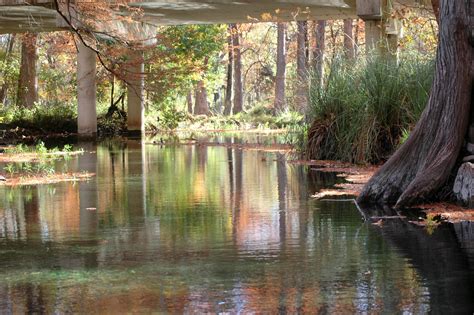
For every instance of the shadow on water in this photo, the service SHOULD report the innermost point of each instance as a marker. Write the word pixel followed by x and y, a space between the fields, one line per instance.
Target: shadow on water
pixel 443 257
pixel 199 228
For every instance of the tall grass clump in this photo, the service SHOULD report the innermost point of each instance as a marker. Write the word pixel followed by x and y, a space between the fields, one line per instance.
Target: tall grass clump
pixel 360 112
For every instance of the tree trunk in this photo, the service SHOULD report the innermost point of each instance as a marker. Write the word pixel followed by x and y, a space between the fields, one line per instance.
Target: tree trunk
pixel 435 5
pixel 189 101
pixel 422 166
pixel 238 86
pixel 112 89
pixel 318 54
pixel 302 93
pixel 201 107
pixel 3 90
pixel 28 81
pixel 349 38
pixel 280 101
pixel 228 91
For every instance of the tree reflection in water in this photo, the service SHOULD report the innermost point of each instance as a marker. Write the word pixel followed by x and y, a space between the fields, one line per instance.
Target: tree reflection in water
pixel 213 229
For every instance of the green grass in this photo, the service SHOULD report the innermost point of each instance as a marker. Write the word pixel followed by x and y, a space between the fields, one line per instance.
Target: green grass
pixel 41 150
pixel 366 107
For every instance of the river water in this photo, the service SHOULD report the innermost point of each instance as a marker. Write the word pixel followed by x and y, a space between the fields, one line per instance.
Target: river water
pixel 198 228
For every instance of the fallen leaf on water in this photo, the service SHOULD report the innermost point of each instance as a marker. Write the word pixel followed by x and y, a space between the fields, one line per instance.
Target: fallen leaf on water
pixel 378 223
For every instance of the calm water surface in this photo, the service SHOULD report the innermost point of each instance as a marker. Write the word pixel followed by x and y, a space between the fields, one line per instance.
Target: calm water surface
pixel 199 228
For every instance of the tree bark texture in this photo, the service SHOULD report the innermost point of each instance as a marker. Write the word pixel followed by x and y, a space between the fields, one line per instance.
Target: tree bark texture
pixel 201 106
pixel 280 99
pixel 349 38
pixel 319 48
pixel 28 81
pixel 422 166
pixel 435 5
pixel 238 85
pixel 3 90
pixel 228 91
pixel 302 93
pixel 189 102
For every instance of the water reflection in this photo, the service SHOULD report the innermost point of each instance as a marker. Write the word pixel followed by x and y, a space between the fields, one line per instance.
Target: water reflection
pixel 212 229
pixel 440 260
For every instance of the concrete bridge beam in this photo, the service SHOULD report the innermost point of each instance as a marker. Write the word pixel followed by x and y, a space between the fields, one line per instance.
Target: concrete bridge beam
pixel 373 34
pixel 135 88
pixel 86 91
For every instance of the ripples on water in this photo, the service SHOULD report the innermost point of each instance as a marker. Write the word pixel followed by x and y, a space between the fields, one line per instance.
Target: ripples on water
pixel 215 229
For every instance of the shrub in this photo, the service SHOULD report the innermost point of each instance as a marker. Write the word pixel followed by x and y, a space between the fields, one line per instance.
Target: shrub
pixel 42 117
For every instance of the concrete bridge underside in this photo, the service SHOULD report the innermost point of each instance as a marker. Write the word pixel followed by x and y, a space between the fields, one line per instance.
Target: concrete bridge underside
pixel 18 16
pixel 40 15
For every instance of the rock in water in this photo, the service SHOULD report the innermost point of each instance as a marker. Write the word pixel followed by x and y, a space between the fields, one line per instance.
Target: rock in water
pixel 471 133
pixel 464 184
pixel 470 148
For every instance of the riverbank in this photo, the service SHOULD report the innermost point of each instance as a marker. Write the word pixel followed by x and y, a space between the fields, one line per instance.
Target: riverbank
pixel 30 125
pixel 356 176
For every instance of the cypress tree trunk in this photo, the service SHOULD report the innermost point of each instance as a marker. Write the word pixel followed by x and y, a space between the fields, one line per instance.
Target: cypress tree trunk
pixel 349 38
pixel 3 90
pixel 228 91
pixel 201 107
pixel 318 54
pixel 28 81
pixel 422 166
pixel 238 86
pixel 189 101
pixel 302 92
pixel 280 101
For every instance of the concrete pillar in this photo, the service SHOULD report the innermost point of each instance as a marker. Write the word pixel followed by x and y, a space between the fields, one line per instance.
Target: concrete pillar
pixel 373 34
pixel 135 86
pixel 381 30
pixel 378 40
pixel 86 91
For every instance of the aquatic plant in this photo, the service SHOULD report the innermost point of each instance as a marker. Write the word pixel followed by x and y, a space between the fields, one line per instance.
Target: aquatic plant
pixel 39 159
pixel 41 149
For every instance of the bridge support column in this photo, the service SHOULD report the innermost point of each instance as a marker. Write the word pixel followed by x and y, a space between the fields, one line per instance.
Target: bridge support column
pixel 86 91
pixel 373 34
pixel 135 86
pixel 381 31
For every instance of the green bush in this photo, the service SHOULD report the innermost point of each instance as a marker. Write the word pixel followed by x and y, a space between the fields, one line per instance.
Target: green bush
pixel 42 117
pixel 169 117
pixel 110 126
pixel 361 110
